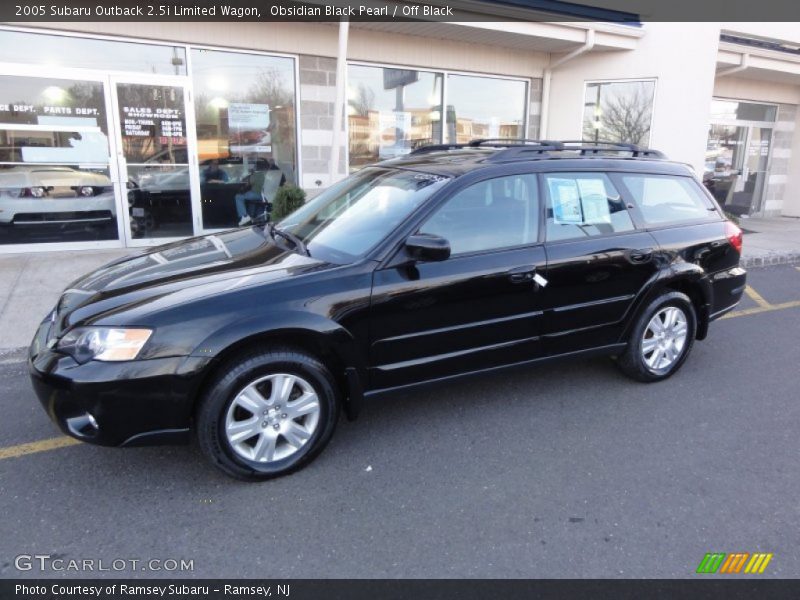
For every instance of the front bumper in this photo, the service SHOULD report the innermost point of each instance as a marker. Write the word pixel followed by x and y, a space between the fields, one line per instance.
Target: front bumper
pixel 131 403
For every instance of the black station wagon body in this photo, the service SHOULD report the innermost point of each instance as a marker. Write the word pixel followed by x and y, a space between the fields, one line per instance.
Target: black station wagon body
pixel 509 254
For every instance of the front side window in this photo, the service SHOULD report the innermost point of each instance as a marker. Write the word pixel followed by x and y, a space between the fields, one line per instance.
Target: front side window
pixel 582 205
pixel 348 219
pixel 489 215
pixel 619 111
pixel 664 199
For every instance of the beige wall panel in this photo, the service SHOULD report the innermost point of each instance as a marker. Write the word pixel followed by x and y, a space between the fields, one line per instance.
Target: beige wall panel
pixel 376 46
pixel 321 40
pixel 758 91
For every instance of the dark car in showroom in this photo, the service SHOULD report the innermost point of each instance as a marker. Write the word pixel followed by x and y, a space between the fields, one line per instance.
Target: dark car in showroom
pixel 451 260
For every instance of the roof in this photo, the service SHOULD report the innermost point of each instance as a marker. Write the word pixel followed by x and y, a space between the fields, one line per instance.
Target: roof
pixel 459 159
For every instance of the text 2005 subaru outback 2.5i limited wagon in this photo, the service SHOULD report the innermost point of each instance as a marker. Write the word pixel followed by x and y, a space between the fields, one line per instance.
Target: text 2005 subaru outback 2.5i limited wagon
pixel 448 261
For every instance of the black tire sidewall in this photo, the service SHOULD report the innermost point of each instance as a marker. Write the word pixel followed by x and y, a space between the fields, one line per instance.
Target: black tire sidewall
pixel 633 362
pixel 231 380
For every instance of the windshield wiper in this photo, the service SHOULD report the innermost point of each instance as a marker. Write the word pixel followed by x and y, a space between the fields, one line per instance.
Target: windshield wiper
pixel 290 237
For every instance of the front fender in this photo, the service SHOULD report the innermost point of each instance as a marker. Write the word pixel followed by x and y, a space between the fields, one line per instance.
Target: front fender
pixel 284 325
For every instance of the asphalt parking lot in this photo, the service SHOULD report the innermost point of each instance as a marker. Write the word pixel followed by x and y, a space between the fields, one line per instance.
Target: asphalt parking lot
pixel 568 470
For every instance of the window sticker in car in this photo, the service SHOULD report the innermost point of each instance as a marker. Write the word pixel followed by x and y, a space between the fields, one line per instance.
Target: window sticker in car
pixel 594 201
pixel 566 201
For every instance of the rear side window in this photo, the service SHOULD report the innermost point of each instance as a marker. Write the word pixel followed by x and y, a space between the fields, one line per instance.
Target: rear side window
pixel 581 205
pixel 667 199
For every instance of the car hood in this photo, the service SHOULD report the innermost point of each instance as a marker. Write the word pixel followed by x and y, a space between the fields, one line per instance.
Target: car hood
pixel 209 262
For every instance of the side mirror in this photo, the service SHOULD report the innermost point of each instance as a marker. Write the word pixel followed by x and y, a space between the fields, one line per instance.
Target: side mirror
pixel 428 247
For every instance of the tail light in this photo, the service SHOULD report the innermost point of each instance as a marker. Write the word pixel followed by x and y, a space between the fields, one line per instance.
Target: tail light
pixel 734 235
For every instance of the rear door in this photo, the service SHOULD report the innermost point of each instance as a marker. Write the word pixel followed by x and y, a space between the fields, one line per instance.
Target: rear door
pixel 475 310
pixel 688 228
pixel 597 261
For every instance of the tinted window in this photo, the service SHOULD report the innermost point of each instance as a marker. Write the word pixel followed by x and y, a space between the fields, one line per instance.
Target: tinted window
pixel 664 199
pixel 497 213
pixel 583 205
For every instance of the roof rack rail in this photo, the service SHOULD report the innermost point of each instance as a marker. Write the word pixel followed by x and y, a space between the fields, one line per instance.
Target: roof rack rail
pixel 437 148
pixel 512 148
pixel 507 142
pixel 583 147
pixel 594 147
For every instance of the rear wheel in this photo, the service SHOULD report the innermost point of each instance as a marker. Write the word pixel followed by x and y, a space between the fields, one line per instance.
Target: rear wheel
pixel 267 414
pixel 661 339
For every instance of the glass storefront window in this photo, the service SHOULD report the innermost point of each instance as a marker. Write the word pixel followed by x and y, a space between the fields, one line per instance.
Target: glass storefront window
pixel 731 110
pixel 54 162
pixel 391 112
pixel 484 107
pixel 247 138
pixel 85 53
pixel 619 111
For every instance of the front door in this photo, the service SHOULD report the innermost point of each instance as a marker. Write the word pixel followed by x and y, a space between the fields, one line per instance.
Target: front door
pixel 153 149
pixel 597 262
pixel 476 310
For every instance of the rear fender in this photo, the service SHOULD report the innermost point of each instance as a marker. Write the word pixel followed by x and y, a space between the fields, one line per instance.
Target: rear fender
pixel 688 278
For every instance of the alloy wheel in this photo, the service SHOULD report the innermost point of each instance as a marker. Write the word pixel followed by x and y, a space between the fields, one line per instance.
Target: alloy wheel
pixel 272 418
pixel 664 338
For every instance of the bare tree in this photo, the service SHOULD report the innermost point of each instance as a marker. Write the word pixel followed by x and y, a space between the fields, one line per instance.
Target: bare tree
pixel 364 100
pixel 623 118
pixel 270 87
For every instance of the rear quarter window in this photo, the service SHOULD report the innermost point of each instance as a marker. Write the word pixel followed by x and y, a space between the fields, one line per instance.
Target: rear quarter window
pixel 665 199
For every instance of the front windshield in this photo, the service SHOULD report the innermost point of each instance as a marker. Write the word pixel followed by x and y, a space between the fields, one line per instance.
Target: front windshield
pixel 348 219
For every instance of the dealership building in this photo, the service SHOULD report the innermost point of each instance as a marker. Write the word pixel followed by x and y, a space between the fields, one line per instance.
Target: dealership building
pixel 120 135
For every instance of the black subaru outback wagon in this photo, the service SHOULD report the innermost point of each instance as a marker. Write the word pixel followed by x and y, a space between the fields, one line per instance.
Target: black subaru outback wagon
pixel 452 260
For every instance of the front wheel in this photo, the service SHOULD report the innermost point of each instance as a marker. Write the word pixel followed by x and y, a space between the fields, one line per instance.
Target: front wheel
pixel 661 339
pixel 268 413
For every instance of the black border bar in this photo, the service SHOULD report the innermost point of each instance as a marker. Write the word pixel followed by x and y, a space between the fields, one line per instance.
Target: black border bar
pixel 710 588
pixel 626 12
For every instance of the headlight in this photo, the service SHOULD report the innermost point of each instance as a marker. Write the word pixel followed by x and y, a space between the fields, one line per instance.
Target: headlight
pixel 103 343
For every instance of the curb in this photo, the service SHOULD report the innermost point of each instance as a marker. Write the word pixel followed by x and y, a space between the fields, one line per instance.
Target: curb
pixel 11 356
pixel 777 258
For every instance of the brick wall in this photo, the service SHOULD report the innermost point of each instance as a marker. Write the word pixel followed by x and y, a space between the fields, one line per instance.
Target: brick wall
pixel 775 190
pixel 317 100
pixel 535 109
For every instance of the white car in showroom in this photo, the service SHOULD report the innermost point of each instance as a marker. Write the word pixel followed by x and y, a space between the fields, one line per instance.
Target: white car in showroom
pixel 35 195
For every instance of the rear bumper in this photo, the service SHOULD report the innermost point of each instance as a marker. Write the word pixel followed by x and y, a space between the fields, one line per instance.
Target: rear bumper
pixel 117 404
pixel 728 288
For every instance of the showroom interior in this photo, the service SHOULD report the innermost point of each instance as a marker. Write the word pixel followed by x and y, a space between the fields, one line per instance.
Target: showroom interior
pixel 115 136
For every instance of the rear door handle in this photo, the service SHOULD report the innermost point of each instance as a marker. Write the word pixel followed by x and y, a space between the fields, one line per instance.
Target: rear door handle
pixel 641 255
pixel 521 274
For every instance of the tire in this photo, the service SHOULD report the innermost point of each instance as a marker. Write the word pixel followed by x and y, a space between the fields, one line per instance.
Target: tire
pixel 249 396
pixel 643 364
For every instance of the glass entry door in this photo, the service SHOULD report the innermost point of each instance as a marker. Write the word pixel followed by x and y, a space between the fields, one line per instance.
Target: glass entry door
pixel 153 153
pixel 738 153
